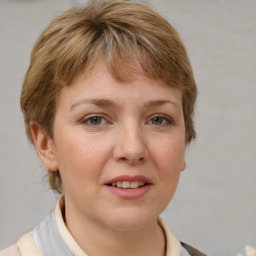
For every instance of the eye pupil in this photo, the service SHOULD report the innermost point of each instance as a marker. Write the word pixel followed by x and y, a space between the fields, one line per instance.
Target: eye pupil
pixel 96 120
pixel 157 120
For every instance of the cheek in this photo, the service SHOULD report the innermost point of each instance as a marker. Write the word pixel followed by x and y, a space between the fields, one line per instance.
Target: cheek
pixel 81 158
pixel 168 164
pixel 169 156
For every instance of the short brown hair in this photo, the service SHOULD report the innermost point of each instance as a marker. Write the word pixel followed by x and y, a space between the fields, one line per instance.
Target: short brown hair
pixel 120 32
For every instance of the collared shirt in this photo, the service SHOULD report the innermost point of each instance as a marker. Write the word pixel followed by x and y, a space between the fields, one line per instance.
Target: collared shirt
pixel 28 246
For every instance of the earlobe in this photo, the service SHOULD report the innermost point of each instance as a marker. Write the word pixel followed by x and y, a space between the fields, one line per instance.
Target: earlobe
pixel 44 146
pixel 183 166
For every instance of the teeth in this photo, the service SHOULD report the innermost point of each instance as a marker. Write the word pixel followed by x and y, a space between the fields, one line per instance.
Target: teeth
pixel 141 183
pixel 134 184
pixel 128 184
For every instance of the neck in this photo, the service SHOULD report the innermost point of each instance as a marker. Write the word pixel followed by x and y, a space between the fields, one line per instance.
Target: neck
pixel 149 240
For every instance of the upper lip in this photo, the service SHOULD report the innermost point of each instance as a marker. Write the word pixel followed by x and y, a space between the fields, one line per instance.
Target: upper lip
pixel 129 178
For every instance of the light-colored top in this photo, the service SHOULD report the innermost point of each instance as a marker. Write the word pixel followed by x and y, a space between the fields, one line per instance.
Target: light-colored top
pixel 26 245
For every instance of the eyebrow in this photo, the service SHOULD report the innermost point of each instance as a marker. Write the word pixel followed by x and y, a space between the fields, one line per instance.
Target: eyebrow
pixel 97 102
pixel 111 103
pixel 156 103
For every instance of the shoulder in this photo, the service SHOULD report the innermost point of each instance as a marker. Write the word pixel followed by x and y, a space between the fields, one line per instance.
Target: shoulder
pixel 191 250
pixel 25 246
pixel 13 250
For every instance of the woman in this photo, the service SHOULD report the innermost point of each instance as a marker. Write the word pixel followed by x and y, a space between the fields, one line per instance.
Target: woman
pixel 108 102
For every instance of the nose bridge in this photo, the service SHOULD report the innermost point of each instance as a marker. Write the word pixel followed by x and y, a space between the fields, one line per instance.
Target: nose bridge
pixel 131 144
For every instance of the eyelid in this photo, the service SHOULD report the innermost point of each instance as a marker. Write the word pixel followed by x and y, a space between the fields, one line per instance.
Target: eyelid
pixel 86 118
pixel 169 119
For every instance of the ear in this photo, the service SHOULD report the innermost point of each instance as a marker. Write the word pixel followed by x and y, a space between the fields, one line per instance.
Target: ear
pixel 183 165
pixel 44 146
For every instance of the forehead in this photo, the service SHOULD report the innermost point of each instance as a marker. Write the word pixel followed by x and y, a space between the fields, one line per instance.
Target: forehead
pixel 100 88
pixel 100 77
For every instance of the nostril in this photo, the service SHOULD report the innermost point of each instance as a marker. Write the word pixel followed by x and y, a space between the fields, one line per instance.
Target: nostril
pixel 131 160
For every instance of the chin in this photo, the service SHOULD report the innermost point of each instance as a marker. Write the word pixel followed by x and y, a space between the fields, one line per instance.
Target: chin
pixel 131 219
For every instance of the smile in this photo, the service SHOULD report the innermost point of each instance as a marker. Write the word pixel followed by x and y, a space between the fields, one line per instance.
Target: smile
pixel 128 184
pixel 129 190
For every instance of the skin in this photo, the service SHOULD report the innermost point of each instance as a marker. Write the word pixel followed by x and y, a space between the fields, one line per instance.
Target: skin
pixel 104 129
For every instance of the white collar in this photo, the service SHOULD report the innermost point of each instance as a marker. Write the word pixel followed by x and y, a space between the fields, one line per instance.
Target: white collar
pixel 173 247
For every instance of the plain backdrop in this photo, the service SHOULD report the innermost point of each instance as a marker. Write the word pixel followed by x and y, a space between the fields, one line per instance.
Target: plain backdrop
pixel 214 208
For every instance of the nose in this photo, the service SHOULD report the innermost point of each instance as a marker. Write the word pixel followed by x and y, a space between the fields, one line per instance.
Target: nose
pixel 131 146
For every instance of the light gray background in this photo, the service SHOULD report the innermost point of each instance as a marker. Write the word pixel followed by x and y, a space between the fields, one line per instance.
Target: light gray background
pixel 214 208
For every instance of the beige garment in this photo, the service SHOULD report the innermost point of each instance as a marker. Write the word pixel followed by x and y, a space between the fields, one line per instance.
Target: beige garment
pixel 27 245
pixel 11 251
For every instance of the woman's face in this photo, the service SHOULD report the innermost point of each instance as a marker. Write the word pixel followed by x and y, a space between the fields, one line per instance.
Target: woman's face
pixel 119 148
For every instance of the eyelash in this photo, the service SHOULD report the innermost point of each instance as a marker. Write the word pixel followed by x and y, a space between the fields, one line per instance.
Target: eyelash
pixel 89 119
pixel 167 120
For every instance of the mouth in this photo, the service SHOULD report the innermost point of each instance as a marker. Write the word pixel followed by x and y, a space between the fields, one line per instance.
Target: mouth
pixel 129 187
pixel 128 184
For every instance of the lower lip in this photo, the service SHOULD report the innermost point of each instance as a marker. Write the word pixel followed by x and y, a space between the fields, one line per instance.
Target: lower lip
pixel 129 193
